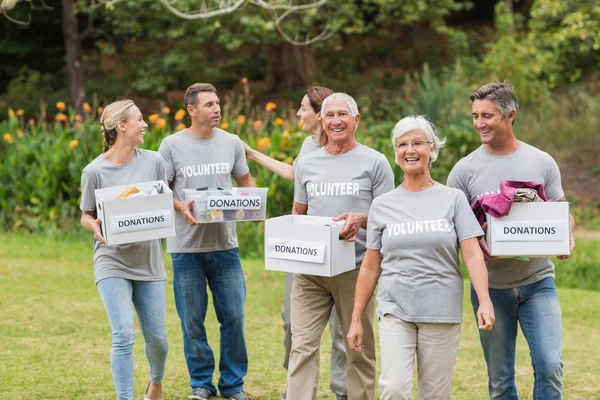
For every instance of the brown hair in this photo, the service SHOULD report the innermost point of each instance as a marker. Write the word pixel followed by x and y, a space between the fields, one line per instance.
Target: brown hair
pixel 501 93
pixel 191 94
pixel 113 114
pixel 316 94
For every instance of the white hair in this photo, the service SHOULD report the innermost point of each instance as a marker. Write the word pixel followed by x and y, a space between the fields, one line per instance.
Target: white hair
pixel 340 96
pixel 422 124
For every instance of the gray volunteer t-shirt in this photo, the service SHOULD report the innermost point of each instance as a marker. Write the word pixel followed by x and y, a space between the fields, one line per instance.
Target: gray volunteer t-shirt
pixel 193 163
pixel 140 261
pixel 334 184
pixel 308 146
pixel 480 173
pixel 418 235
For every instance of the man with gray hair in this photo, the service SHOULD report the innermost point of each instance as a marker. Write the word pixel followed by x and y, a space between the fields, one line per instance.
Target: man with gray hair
pixel 339 180
pixel 522 291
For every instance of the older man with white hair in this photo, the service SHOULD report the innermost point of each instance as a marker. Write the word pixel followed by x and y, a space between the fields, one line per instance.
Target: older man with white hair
pixel 339 180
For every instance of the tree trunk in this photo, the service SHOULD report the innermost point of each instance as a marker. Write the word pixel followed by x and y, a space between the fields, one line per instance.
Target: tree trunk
pixel 73 56
pixel 290 67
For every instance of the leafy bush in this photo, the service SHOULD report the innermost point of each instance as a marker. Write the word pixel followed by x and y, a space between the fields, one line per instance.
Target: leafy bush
pixel 41 163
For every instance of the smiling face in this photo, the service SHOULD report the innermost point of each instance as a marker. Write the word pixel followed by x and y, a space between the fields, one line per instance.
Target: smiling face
pixel 207 110
pixel 307 115
pixel 134 128
pixel 338 122
pixel 487 119
pixel 413 152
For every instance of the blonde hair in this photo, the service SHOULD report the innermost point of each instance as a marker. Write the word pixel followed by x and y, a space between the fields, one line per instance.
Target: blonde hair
pixel 113 114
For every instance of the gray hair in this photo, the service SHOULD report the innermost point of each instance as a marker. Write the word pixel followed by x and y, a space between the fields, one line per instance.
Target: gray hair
pixel 501 93
pixel 340 96
pixel 423 124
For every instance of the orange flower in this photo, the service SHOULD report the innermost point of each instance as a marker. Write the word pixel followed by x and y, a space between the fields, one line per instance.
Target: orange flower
pixel 60 117
pixel 11 112
pixel 181 126
pixel 32 122
pixel 160 123
pixel 19 134
pixel 60 106
pixel 278 122
pixel 166 110
pixel 179 115
pixel 8 137
pixel 78 118
pixel 300 124
pixel 87 108
pixel 257 124
pixel 241 119
pixel 20 112
pixel 224 125
pixel 263 143
pixel 153 118
pixel 100 109
pixel 245 81
pixel 73 143
pixel 270 106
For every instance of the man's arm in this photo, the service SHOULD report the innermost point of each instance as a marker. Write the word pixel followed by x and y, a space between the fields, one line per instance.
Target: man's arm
pixel 245 180
pixel 299 208
pixel 571 235
pixel 184 208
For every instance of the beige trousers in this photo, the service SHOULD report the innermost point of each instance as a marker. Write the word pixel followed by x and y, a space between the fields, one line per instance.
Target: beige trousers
pixel 435 346
pixel 312 300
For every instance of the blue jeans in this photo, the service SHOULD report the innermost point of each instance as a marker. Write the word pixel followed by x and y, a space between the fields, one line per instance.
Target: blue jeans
pixel 149 299
pixel 537 309
pixel 222 271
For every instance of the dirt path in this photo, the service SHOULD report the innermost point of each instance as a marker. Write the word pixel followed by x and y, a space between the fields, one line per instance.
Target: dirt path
pixel 588 235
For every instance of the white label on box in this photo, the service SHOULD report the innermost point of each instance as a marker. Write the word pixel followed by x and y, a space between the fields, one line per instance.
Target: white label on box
pixel 141 221
pixel 296 250
pixel 234 202
pixel 528 231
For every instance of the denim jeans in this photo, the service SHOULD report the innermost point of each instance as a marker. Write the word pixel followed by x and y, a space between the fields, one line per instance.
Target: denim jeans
pixel 149 299
pixel 222 271
pixel 537 309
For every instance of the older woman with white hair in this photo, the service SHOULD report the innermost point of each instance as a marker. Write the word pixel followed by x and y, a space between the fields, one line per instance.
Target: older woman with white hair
pixel 413 236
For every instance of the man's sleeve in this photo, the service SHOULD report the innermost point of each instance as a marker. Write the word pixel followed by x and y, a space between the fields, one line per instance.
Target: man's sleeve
pixel 165 152
pixel 240 165
pixel 300 195
pixel 456 180
pixel 384 177
pixel 553 185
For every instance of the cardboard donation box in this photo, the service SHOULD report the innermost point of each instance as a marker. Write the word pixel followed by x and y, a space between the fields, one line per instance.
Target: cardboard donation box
pixel 305 244
pixel 223 205
pixel 143 216
pixel 535 229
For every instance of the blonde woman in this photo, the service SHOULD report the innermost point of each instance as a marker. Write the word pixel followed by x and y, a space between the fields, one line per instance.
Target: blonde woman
pixel 132 275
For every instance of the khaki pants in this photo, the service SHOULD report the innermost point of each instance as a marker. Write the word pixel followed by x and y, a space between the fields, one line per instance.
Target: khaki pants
pixel 312 300
pixel 435 346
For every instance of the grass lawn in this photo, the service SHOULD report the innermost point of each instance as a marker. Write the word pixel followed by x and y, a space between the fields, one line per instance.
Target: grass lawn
pixel 55 336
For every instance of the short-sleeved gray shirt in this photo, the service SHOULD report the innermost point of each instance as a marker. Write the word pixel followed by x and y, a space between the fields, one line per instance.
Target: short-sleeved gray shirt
pixel 140 261
pixel 480 173
pixel 334 184
pixel 308 146
pixel 418 235
pixel 195 163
